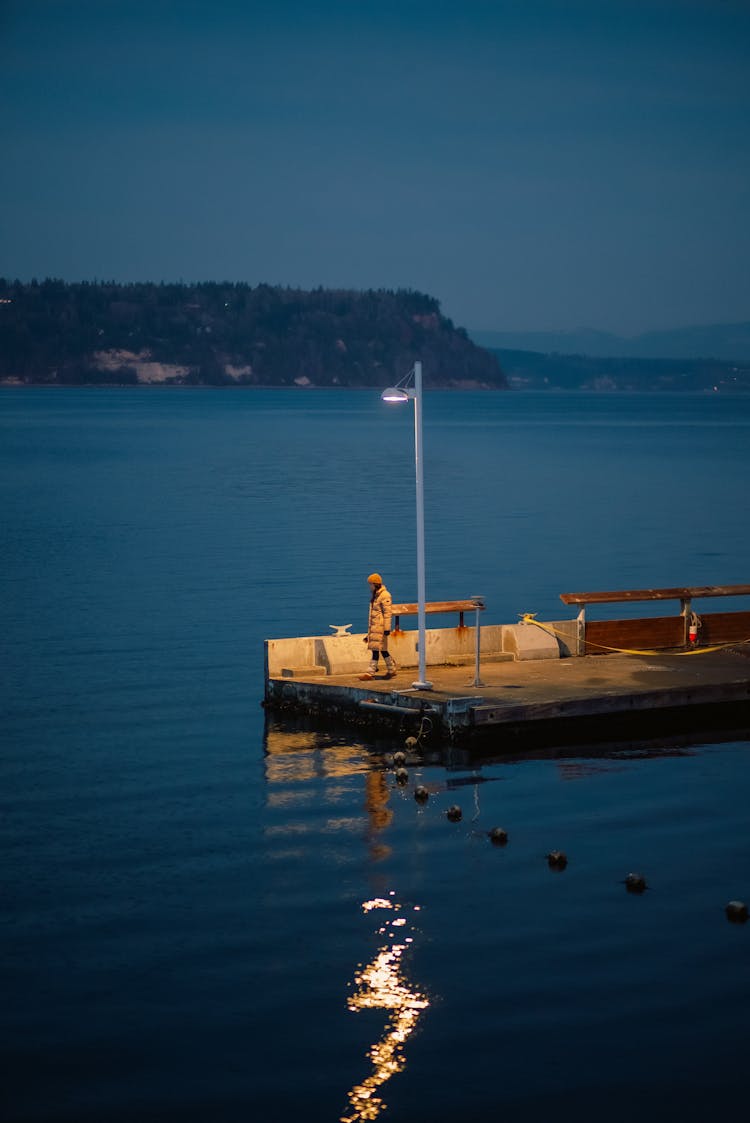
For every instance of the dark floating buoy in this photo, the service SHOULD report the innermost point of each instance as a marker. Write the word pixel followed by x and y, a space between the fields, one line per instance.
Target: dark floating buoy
pixel 557 860
pixel 736 912
pixel 411 742
pixel 454 813
pixel 635 883
pixel 399 758
pixel 498 836
pixel 401 776
pixel 421 794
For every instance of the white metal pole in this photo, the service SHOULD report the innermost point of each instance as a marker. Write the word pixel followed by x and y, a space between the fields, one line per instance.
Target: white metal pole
pixel 422 683
pixel 479 602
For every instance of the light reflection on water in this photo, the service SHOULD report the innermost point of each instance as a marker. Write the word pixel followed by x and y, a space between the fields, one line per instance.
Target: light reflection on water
pixel 382 984
pixel 296 757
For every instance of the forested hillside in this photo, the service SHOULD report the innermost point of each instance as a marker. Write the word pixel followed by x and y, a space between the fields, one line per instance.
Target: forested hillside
pixel 53 332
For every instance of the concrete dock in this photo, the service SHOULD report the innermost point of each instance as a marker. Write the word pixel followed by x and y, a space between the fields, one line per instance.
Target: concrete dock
pixel 541 701
pixel 535 682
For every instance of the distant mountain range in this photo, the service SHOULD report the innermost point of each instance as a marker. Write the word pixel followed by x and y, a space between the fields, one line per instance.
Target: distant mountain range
pixel 727 342
pixel 538 370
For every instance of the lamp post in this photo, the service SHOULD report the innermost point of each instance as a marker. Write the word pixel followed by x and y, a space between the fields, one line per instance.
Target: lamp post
pixel 402 393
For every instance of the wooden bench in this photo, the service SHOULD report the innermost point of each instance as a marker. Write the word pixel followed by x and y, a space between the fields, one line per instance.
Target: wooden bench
pixel 474 604
pixel 659 632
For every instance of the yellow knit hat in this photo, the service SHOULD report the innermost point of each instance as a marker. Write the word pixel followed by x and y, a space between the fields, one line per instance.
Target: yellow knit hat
pixel 375 579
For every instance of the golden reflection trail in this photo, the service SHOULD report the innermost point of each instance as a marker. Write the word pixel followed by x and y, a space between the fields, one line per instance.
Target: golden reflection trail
pixel 383 985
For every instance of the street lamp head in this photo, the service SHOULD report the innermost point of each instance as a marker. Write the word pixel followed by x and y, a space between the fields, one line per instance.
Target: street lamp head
pixel 394 394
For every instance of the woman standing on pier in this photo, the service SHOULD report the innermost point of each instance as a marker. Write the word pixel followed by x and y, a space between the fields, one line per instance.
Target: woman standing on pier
pixel 379 627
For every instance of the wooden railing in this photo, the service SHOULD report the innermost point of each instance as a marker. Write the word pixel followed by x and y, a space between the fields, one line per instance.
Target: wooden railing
pixel 445 606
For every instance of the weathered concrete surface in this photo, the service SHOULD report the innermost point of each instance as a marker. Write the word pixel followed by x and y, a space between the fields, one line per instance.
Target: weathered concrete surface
pixel 526 641
pixel 561 695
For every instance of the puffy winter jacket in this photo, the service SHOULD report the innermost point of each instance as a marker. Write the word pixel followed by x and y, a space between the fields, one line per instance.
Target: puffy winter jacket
pixel 380 619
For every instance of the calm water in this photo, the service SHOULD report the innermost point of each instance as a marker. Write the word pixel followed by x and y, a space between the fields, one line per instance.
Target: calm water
pixel 207 920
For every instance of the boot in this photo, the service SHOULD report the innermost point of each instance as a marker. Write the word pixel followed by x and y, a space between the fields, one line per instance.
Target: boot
pixel 390 666
pixel 371 673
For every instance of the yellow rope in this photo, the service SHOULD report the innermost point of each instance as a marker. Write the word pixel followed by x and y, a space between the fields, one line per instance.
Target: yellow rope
pixel 528 618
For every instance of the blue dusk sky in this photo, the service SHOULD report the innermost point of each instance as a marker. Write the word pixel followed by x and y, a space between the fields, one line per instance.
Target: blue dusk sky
pixel 534 165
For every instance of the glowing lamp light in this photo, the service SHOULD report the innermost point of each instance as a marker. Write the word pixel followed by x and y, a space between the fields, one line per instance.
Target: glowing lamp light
pixel 394 394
